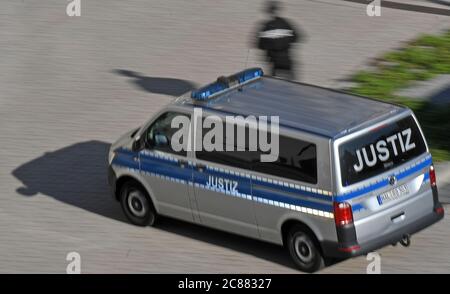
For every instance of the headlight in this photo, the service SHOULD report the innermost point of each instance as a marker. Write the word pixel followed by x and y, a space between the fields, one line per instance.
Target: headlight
pixel 111 156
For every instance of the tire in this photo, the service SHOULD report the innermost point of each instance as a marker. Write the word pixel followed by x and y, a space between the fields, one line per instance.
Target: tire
pixel 137 205
pixel 304 250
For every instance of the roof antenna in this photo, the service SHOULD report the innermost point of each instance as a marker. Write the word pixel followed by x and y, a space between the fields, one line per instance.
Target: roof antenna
pixel 246 64
pixel 246 60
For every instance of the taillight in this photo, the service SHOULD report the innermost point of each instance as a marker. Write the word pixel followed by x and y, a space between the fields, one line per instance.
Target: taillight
pixel 439 210
pixel 342 213
pixel 350 249
pixel 432 176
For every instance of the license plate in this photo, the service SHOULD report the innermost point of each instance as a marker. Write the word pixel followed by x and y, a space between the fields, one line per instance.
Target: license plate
pixel 393 194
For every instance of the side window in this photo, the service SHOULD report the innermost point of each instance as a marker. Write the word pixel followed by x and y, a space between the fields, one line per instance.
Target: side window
pixel 297 160
pixel 239 159
pixel 159 134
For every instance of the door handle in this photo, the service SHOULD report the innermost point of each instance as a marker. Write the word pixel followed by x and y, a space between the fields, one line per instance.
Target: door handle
pixel 182 163
pixel 398 218
pixel 200 167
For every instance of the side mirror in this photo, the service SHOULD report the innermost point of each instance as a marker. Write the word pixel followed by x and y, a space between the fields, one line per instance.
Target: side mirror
pixel 161 140
pixel 137 144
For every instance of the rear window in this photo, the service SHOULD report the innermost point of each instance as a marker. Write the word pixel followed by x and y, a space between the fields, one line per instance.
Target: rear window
pixel 380 150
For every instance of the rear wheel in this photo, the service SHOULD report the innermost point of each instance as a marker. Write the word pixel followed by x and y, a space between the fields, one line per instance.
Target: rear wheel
pixel 137 205
pixel 304 250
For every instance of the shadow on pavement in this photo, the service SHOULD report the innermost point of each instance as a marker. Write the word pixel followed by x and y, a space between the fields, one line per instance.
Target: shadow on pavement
pixel 76 175
pixel 259 249
pixel 156 85
pixel 267 251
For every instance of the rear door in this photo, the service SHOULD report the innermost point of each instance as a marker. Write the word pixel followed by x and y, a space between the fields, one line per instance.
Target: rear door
pixel 384 174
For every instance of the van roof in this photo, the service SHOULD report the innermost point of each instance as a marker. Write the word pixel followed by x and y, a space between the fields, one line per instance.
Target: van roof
pixel 309 108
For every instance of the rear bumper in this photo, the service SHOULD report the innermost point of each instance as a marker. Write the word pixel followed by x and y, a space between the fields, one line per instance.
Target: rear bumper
pixel 333 249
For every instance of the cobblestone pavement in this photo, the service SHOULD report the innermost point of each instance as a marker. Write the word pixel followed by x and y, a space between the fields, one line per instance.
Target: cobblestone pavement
pixel 70 86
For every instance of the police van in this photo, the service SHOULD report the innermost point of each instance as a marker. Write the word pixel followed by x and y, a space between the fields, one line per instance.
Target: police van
pixel 351 174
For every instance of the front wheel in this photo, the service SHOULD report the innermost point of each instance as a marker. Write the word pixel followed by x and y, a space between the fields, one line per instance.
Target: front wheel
pixel 137 205
pixel 304 250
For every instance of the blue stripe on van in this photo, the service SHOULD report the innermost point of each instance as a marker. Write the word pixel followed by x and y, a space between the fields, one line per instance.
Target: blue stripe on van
pixel 165 168
pixel 291 200
pixel 274 196
pixel 233 176
pixel 384 182
pixel 357 207
pixel 271 185
pixel 426 176
pixel 292 190
pixel 243 183
pixel 126 159
pixel 170 168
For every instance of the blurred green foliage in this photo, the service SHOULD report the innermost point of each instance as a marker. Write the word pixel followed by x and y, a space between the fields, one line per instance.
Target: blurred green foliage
pixel 422 59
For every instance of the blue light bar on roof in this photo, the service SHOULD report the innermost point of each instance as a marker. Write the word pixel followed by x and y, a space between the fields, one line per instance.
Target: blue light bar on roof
pixel 249 74
pixel 225 83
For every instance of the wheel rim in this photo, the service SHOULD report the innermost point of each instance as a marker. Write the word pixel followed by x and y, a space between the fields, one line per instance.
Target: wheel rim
pixel 303 249
pixel 137 203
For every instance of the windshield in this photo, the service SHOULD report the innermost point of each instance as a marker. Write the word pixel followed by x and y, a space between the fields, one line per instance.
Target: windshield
pixel 380 150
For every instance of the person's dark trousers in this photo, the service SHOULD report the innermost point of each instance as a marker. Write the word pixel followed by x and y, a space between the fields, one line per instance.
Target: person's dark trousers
pixel 283 73
pixel 282 65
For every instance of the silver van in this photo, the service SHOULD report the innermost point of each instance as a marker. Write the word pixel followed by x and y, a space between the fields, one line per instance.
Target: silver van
pixel 352 174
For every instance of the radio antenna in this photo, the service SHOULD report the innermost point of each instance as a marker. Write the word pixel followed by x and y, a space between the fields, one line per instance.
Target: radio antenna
pixel 246 60
pixel 246 64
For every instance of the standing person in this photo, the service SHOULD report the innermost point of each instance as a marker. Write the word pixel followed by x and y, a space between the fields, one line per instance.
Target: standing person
pixel 275 37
